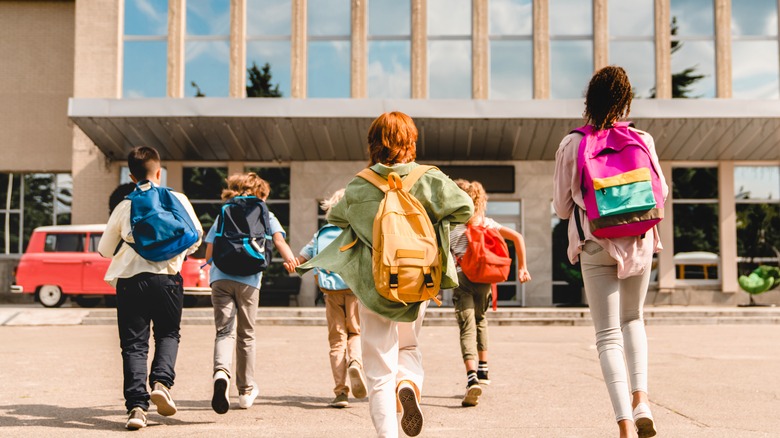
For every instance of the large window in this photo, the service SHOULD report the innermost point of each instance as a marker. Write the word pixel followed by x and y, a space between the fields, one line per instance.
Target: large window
pixel 31 200
pixel 757 190
pixel 207 48
pixel 144 71
pixel 571 47
pixel 511 49
pixel 328 66
pixel 693 48
pixel 449 49
pixel 278 203
pixel 389 49
pixel 696 224
pixel 203 186
pixel 268 30
pixel 631 42
pixel 754 49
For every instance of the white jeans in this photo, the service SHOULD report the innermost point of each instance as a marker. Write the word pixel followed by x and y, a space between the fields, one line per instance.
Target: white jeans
pixel 616 308
pixel 390 355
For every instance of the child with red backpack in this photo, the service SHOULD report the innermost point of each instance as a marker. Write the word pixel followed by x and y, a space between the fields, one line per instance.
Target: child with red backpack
pixel 239 248
pixel 341 312
pixel 609 185
pixel 483 260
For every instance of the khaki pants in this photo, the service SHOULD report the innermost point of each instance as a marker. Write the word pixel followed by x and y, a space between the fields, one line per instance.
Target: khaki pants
pixel 235 311
pixel 471 304
pixel 341 311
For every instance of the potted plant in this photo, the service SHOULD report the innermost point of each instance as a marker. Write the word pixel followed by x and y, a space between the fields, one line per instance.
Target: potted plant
pixel 762 279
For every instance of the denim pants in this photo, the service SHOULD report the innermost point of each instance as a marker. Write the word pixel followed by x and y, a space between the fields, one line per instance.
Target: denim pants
pixel 140 300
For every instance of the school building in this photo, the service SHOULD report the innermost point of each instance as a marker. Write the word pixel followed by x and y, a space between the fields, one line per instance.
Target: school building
pixel 493 86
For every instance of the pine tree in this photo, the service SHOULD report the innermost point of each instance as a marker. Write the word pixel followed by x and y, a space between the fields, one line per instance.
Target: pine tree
pixel 260 82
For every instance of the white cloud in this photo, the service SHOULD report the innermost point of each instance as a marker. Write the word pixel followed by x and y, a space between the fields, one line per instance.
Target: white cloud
pixel 511 17
pixel 449 67
pixel 388 80
pixel 268 17
pixel 571 17
pixel 449 17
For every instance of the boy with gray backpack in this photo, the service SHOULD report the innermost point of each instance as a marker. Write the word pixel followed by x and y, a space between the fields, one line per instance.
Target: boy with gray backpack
pixel 147 237
pixel 341 312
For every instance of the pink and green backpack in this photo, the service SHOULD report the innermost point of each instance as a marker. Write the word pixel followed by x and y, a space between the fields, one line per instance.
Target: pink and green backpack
pixel 621 186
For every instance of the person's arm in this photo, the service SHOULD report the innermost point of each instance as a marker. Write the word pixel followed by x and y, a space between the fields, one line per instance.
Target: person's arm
pixel 447 203
pixel 519 242
pixel 654 156
pixel 290 262
pixel 565 172
pixel 113 233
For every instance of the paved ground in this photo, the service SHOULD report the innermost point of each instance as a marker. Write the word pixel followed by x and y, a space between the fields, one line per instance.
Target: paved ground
pixel 706 381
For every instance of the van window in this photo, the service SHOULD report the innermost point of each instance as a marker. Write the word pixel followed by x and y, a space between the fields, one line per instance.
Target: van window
pixel 65 242
pixel 94 240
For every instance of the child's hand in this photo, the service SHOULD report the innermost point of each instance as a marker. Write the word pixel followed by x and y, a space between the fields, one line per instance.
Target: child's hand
pixel 523 275
pixel 289 267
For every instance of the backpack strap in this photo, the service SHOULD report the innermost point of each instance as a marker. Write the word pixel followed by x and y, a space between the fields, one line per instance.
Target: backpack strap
pixel 415 175
pixel 374 178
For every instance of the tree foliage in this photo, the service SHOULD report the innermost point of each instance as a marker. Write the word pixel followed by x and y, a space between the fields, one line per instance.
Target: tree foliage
pixel 260 82
pixel 682 81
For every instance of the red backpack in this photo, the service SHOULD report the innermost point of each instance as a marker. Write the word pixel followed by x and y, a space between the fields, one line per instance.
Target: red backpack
pixel 486 259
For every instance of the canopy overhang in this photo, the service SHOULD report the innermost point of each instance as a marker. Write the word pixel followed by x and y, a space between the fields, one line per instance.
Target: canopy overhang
pixel 224 129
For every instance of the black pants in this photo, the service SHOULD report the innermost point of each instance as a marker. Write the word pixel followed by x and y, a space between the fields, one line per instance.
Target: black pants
pixel 140 300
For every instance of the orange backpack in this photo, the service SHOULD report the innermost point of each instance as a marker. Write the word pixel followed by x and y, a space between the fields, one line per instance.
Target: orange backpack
pixel 486 259
pixel 405 257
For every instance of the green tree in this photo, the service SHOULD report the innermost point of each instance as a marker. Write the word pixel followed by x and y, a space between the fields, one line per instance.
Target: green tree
pixel 198 93
pixel 260 82
pixel 682 81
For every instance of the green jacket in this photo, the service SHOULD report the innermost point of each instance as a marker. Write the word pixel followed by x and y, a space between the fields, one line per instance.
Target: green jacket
pixel 446 205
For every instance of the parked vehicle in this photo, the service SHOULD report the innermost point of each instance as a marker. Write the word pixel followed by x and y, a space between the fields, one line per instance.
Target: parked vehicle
pixel 63 261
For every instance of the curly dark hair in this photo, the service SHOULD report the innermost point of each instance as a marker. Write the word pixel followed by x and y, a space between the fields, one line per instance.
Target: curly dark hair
pixel 608 97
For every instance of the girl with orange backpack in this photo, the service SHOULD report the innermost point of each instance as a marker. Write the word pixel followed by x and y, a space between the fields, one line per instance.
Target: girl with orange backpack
pixel 483 260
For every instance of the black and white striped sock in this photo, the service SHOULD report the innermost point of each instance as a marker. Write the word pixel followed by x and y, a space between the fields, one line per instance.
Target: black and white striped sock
pixel 471 378
pixel 482 370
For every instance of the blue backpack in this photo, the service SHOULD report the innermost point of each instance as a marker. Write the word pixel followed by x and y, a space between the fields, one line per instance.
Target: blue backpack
pixel 327 280
pixel 161 226
pixel 242 244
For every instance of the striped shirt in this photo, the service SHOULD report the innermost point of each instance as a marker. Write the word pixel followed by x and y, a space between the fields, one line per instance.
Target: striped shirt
pixel 459 241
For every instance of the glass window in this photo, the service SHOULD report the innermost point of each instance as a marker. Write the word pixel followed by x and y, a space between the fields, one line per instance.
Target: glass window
pixel 510 17
pixel 571 17
pixel 328 67
pixel 696 232
pixel 389 69
pixel 693 48
pixel 145 52
pixel 329 17
pixel 632 46
pixel 449 17
pixel 279 203
pixel 203 186
pixel 757 191
pixel 268 17
pixel 208 17
pixel 389 17
pixel 571 68
pixel 631 18
pixel 207 49
pixel 757 183
pixel 754 17
pixel 754 50
pixel 449 49
pixel 277 55
pixel 65 242
pixel 268 33
pixel 511 49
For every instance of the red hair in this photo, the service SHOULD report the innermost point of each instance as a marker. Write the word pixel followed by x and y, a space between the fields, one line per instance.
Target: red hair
pixel 392 139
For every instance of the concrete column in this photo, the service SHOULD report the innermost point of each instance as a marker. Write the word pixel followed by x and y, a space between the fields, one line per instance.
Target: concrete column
pixel 666 269
pixel 177 27
pixel 600 34
pixel 97 66
pixel 541 49
pixel 663 50
pixel 480 77
pixel 534 187
pixel 419 49
pixel 723 48
pixel 359 61
pixel 298 50
pixel 727 212
pixel 238 48
pixel 175 175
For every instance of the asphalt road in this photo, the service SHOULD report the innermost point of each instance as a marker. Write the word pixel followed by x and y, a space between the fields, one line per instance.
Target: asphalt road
pixel 705 381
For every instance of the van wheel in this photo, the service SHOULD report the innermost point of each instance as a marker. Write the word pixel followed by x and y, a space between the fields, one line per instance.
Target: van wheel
pixel 88 300
pixel 51 296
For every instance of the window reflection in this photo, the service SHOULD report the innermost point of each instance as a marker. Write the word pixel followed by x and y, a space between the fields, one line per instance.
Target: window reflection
pixel 389 17
pixel 277 55
pixel 754 17
pixel 328 17
pixel 638 59
pixel 694 17
pixel 632 18
pixel 511 17
pixel 145 69
pixel 511 70
pixel 389 69
pixel 268 17
pixel 146 18
pixel 700 57
pixel 449 17
pixel 755 70
pixel 208 17
pixel 208 66
pixel 449 66
pixel 571 65
pixel 571 17
pixel 757 182
pixel 328 69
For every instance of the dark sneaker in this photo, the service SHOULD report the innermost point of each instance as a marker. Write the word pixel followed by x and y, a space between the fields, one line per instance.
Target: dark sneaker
pixel 411 414
pixel 161 397
pixel 219 401
pixel 136 419
pixel 340 401
pixel 472 395
pixel 356 380
pixel 483 377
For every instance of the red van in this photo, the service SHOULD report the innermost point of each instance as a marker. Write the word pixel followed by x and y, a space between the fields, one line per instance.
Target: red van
pixel 63 260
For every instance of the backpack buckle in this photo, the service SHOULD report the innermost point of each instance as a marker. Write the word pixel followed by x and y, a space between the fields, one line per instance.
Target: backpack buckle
pixel 393 281
pixel 428 280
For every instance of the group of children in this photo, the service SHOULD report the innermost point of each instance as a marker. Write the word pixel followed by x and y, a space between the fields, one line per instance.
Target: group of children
pixel 373 325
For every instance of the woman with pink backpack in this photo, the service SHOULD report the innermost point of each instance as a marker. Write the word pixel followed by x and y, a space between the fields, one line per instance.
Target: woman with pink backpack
pixel 609 184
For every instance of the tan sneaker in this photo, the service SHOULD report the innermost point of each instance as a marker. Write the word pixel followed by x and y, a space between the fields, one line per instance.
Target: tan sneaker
pixel 161 397
pixel 357 380
pixel 136 419
pixel 341 401
pixel 472 395
pixel 411 416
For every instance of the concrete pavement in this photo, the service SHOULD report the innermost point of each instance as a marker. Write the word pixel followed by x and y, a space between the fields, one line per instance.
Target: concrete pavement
pixel 705 381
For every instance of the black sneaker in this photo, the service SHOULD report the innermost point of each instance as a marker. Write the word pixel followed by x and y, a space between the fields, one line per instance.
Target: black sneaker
pixel 136 419
pixel 483 377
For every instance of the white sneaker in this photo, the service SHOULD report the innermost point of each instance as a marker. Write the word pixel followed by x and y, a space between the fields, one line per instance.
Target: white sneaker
pixel 245 401
pixel 161 397
pixel 220 401
pixel 356 380
pixel 643 419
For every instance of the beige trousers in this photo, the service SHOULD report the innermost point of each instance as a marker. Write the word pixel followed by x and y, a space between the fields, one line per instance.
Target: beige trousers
pixel 235 311
pixel 341 311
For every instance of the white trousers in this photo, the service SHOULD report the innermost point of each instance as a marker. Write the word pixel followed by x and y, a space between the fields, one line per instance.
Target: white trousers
pixel 390 355
pixel 616 309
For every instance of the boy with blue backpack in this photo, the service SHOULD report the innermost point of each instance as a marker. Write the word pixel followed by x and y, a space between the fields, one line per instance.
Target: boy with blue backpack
pixel 147 237
pixel 341 312
pixel 240 243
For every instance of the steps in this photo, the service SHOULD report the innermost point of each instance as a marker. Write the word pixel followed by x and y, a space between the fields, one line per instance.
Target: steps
pixel 508 316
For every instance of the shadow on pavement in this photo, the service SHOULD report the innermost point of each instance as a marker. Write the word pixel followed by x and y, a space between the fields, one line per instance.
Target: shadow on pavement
pixel 76 418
